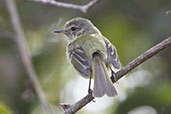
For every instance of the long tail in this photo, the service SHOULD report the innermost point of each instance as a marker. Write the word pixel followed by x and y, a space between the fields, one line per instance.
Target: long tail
pixel 102 82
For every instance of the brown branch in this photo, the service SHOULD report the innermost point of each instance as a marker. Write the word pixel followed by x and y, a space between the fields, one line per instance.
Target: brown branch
pixel 143 57
pixel 78 105
pixel 83 8
pixel 24 53
pixel 130 66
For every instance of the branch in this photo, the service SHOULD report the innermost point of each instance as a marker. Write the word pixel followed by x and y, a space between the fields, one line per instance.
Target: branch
pixel 143 57
pixel 80 104
pixel 24 53
pixel 130 66
pixel 83 8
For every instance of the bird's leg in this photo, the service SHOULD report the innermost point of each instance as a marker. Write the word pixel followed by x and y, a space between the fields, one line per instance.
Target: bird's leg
pixel 113 76
pixel 89 86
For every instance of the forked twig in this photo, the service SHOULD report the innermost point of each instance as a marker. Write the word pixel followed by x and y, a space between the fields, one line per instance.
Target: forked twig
pixel 83 8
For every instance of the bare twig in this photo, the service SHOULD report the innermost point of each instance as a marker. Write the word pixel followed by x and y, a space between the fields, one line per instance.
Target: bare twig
pixel 77 106
pixel 83 8
pixel 65 106
pixel 143 57
pixel 130 66
pixel 24 53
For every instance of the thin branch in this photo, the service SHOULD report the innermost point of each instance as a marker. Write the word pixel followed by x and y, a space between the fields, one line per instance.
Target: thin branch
pixel 24 53
pixel 130 66
pixel 81 103
pixel 83 8
pixel 143 57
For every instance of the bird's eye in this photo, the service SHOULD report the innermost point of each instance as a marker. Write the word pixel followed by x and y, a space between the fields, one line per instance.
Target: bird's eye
pixel 74 28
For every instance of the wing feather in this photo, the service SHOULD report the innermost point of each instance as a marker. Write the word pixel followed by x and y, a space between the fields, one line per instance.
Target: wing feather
pixel 112 56
pixel 80 61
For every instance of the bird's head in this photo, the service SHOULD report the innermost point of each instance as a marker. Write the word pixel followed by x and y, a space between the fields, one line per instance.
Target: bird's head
pixel 77 27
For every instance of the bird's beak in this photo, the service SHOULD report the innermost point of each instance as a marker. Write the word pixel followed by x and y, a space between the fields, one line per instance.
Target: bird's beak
pixel 60 31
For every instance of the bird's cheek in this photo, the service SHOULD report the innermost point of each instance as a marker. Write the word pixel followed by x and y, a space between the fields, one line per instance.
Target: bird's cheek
pixel 68 34
pixel 79 33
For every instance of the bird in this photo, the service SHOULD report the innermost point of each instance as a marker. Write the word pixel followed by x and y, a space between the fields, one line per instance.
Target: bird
pixel 92 55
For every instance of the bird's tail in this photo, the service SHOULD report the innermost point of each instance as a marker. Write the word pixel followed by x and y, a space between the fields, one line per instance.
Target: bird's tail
pixel 102 82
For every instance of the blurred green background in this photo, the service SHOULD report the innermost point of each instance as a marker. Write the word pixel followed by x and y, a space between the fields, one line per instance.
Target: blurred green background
pixel 133 26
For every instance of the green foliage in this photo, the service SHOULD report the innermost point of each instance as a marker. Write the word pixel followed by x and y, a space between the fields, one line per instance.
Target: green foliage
pixel 5 109
pixel 155 96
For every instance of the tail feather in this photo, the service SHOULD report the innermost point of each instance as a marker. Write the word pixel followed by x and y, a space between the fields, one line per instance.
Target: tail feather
pixel 99 78
pixel 102 83
pixel 111 91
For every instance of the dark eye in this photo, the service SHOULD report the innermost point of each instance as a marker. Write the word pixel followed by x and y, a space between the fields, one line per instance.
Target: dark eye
pixel 74 28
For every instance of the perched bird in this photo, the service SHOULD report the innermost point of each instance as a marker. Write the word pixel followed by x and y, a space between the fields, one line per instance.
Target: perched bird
pixel 92 55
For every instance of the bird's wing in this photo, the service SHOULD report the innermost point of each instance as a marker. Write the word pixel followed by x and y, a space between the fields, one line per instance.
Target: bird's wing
pixel 80 61
pixel 112 56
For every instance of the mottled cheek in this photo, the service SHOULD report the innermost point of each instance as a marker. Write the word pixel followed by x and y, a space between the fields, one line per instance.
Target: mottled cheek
pixel 81 32
pixel 74 33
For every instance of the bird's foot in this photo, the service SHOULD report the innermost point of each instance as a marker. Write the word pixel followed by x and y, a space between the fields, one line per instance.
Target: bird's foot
pixel 90 91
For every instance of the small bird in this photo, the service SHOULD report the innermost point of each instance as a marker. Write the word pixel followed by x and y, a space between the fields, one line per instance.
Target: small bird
pixel 92 55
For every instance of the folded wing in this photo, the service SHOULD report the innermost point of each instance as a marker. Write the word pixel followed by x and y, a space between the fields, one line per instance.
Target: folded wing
pixel 80 61
pixel 112 56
